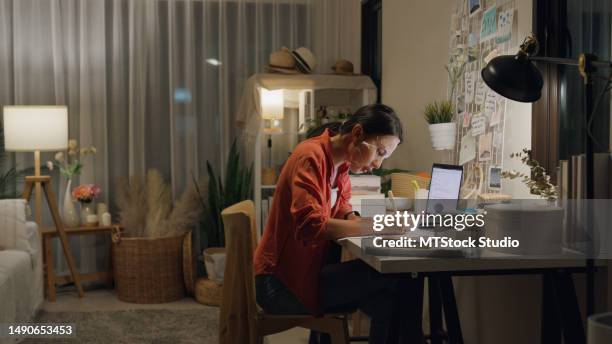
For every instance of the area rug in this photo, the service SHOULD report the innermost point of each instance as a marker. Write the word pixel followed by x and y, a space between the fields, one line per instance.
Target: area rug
pixel 136 326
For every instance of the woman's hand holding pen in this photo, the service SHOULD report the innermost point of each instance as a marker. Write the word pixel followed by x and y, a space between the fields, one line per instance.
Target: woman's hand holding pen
pixel 337 229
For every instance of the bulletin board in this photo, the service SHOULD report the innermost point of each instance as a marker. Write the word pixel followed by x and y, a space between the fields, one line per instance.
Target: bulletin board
pixel 480 30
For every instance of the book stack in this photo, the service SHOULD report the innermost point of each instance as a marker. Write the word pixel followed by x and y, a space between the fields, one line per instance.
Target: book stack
pixel 366 197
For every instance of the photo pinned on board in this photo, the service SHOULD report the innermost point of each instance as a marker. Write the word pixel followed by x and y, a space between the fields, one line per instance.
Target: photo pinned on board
pixel 484 147
pixel 475 6
pixel 495 177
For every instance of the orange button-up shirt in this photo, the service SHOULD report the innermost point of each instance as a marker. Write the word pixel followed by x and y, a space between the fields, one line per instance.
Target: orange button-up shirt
pixel 293 245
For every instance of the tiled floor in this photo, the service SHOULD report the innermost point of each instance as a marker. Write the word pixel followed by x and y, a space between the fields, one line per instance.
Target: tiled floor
pixel 106 300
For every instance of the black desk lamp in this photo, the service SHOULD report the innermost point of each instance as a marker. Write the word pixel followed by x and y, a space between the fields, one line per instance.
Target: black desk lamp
pixel 516 77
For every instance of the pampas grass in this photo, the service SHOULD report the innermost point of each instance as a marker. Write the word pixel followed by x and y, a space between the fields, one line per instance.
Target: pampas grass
pixel 131 196
pixel 187 210
pixel 159 204
pixel 146 209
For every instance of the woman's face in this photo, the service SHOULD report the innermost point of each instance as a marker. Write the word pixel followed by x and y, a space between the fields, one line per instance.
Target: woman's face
pixel 368 153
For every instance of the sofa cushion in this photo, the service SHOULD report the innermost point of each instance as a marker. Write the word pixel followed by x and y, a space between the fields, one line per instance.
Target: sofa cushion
pixel 17 282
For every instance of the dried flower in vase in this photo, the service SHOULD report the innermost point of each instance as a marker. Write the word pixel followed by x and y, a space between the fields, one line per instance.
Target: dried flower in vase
pixel 72 164
pixel 538 182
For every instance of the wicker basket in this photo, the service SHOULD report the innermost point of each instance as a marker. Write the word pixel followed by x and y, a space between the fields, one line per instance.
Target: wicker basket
pixel 208 292
pixel 189 264
pixel 401 184
pixel 148 270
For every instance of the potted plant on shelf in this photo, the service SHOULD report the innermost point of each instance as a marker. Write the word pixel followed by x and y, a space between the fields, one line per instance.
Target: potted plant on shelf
pixel 442 129
pixel 148 256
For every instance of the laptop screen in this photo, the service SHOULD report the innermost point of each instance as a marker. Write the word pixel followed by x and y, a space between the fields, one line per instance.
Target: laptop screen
pixel 444 188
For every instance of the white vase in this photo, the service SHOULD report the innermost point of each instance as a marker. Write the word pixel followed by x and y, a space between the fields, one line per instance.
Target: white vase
pixel 443 135
pixel 87 208
pixel 69 212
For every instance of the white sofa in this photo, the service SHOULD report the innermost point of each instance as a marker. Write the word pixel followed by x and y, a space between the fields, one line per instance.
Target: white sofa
pixel 21 276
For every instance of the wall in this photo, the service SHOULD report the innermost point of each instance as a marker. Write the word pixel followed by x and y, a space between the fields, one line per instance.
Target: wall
pixel 415 50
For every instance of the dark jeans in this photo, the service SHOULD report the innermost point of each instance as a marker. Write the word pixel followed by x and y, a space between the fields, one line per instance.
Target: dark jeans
pixel 344 286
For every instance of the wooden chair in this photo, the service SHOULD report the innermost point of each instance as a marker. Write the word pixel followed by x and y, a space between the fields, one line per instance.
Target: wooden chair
pixel 240 316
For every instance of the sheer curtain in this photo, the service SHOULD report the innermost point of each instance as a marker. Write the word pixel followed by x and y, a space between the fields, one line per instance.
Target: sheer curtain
pixel 155 84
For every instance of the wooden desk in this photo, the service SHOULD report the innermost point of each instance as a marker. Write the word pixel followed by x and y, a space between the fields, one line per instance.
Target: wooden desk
pixel 51 280
pixel 561 314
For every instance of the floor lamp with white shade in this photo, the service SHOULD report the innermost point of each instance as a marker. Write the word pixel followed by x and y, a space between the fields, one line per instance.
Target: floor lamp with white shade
pixel 36 129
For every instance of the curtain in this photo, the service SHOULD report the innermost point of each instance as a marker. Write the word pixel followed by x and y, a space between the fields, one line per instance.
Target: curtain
pixel 155 84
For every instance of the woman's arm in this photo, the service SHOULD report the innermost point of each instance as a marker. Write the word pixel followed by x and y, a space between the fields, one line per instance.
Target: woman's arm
pixel 337 229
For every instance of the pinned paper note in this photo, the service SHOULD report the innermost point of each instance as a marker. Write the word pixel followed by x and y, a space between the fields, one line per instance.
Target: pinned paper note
pixel 491 55
pixel 495 118
pixel 472 39
pixel 478 125
pixel 467 152
pixel 504 26
pixel 479 94
pixel 484 147
pixel 466 119
pixel 488 28
pixel 497 139
pixel 490 101
pixel 470 79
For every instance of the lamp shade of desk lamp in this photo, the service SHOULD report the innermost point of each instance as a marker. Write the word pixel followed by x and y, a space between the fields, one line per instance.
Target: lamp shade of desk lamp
pixel 515 76
pixel 35 129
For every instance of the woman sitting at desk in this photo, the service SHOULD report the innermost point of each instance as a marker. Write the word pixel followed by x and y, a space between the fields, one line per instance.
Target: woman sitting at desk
pixel 306 217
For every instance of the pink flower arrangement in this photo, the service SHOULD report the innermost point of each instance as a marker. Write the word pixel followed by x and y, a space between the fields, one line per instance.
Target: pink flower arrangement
pixel 86 193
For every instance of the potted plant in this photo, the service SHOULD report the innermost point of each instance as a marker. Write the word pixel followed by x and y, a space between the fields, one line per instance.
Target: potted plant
pixel 148 254
pixel 536 223
pixel 236 186
pixel 442 129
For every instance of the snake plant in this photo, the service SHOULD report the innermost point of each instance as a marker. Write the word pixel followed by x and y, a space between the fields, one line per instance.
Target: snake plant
pixel 236 186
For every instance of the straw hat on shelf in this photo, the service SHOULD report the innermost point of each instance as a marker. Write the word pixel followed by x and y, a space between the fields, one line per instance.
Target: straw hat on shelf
pixel 344 67
pixel 282 61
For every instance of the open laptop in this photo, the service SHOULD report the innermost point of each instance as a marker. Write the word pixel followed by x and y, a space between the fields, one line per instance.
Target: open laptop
pixel 444 190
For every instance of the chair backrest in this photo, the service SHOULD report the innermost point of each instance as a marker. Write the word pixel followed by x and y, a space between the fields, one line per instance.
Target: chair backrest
pixel 238 307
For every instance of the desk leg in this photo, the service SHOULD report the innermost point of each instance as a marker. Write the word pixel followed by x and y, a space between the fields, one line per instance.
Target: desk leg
pixel 411 311
pixel 436 331
pixel 50 273
pixel 571 320
pixel 550 329
pixel 451 315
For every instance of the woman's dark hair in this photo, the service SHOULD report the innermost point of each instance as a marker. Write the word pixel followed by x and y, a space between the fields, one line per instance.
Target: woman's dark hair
pixel 375 119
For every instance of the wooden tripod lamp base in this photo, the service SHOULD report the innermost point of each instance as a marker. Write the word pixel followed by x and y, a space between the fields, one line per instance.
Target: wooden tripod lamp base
pixel 45 183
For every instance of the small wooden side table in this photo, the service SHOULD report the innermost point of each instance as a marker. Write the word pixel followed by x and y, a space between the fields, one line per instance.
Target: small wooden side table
pixel 51 279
